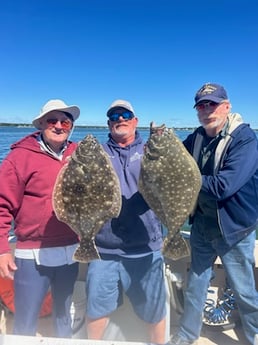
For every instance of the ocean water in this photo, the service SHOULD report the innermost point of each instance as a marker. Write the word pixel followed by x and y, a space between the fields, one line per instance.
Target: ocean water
pixel 9 135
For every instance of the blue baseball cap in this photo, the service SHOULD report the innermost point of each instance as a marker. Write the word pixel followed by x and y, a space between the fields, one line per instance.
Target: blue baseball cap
pixel 211 92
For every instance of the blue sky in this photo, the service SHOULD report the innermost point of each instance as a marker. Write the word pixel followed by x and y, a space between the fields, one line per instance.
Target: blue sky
pixel 154 53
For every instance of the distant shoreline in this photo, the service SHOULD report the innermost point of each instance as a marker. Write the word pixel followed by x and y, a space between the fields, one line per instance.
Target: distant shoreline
pixel 26 125
pixel 22 125
pixel 3 124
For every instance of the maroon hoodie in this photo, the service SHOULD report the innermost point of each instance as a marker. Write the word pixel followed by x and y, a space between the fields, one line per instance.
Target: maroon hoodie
pixel 27 178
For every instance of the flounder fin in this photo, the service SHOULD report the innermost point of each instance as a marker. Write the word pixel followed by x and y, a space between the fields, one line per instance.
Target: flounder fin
pixel 86 251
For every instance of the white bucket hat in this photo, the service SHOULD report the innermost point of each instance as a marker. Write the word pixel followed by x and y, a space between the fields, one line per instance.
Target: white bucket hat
pixel 56 104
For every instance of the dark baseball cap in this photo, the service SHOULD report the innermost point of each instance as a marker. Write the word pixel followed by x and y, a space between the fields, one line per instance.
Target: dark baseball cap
pixel 211 92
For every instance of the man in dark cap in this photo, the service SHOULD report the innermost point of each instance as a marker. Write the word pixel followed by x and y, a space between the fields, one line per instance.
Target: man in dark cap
pixel 226 214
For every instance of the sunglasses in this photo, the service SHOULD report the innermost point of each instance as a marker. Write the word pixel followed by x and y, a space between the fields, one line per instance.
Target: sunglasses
pixel 65 124
pixel 127 115
pixel 205 105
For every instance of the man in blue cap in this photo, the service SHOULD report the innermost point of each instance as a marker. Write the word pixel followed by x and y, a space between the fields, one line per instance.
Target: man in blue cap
pixel 226 214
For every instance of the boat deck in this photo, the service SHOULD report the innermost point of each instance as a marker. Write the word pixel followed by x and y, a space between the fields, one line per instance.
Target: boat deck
pixel 124 327
pixel 210 335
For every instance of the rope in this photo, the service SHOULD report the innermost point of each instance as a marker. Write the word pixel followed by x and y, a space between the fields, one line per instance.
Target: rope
pixel 220 311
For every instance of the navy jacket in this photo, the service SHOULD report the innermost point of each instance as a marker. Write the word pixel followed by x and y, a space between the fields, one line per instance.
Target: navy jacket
pixel 137 230
pixel 234 182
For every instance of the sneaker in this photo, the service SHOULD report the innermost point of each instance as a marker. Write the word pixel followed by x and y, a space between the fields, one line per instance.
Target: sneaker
pixel 176 340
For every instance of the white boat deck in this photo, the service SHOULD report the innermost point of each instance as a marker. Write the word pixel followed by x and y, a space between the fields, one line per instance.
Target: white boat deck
pixel 230 337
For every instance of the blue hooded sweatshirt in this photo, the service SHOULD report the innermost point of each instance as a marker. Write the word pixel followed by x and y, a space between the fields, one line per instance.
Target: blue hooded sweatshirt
pixel 137 230
pixel 233 184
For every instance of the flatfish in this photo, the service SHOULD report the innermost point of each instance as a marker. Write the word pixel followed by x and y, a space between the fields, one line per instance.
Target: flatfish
pixel 87 194
pixel 170 182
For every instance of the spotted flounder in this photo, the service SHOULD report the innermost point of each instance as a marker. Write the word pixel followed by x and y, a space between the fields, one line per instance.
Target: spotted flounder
pixel 87 194
pixel 170 182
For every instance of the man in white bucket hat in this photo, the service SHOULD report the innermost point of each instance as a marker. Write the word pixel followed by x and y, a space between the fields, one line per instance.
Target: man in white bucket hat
pixel 56 105
pixel 44 247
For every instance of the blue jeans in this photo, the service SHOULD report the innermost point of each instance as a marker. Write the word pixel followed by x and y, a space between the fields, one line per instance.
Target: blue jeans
pixel 31 284
pixel 238 262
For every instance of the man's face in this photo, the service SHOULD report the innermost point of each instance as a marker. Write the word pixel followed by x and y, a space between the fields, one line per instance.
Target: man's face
pixel 56 127
pixel 212 116
pixel 122 127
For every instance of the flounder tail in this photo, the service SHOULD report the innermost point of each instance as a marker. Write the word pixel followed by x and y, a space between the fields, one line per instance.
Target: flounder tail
pixel 176 248
pixel 86 251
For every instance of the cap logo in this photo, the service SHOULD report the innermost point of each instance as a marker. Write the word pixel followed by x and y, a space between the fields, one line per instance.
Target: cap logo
pixel 207 89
